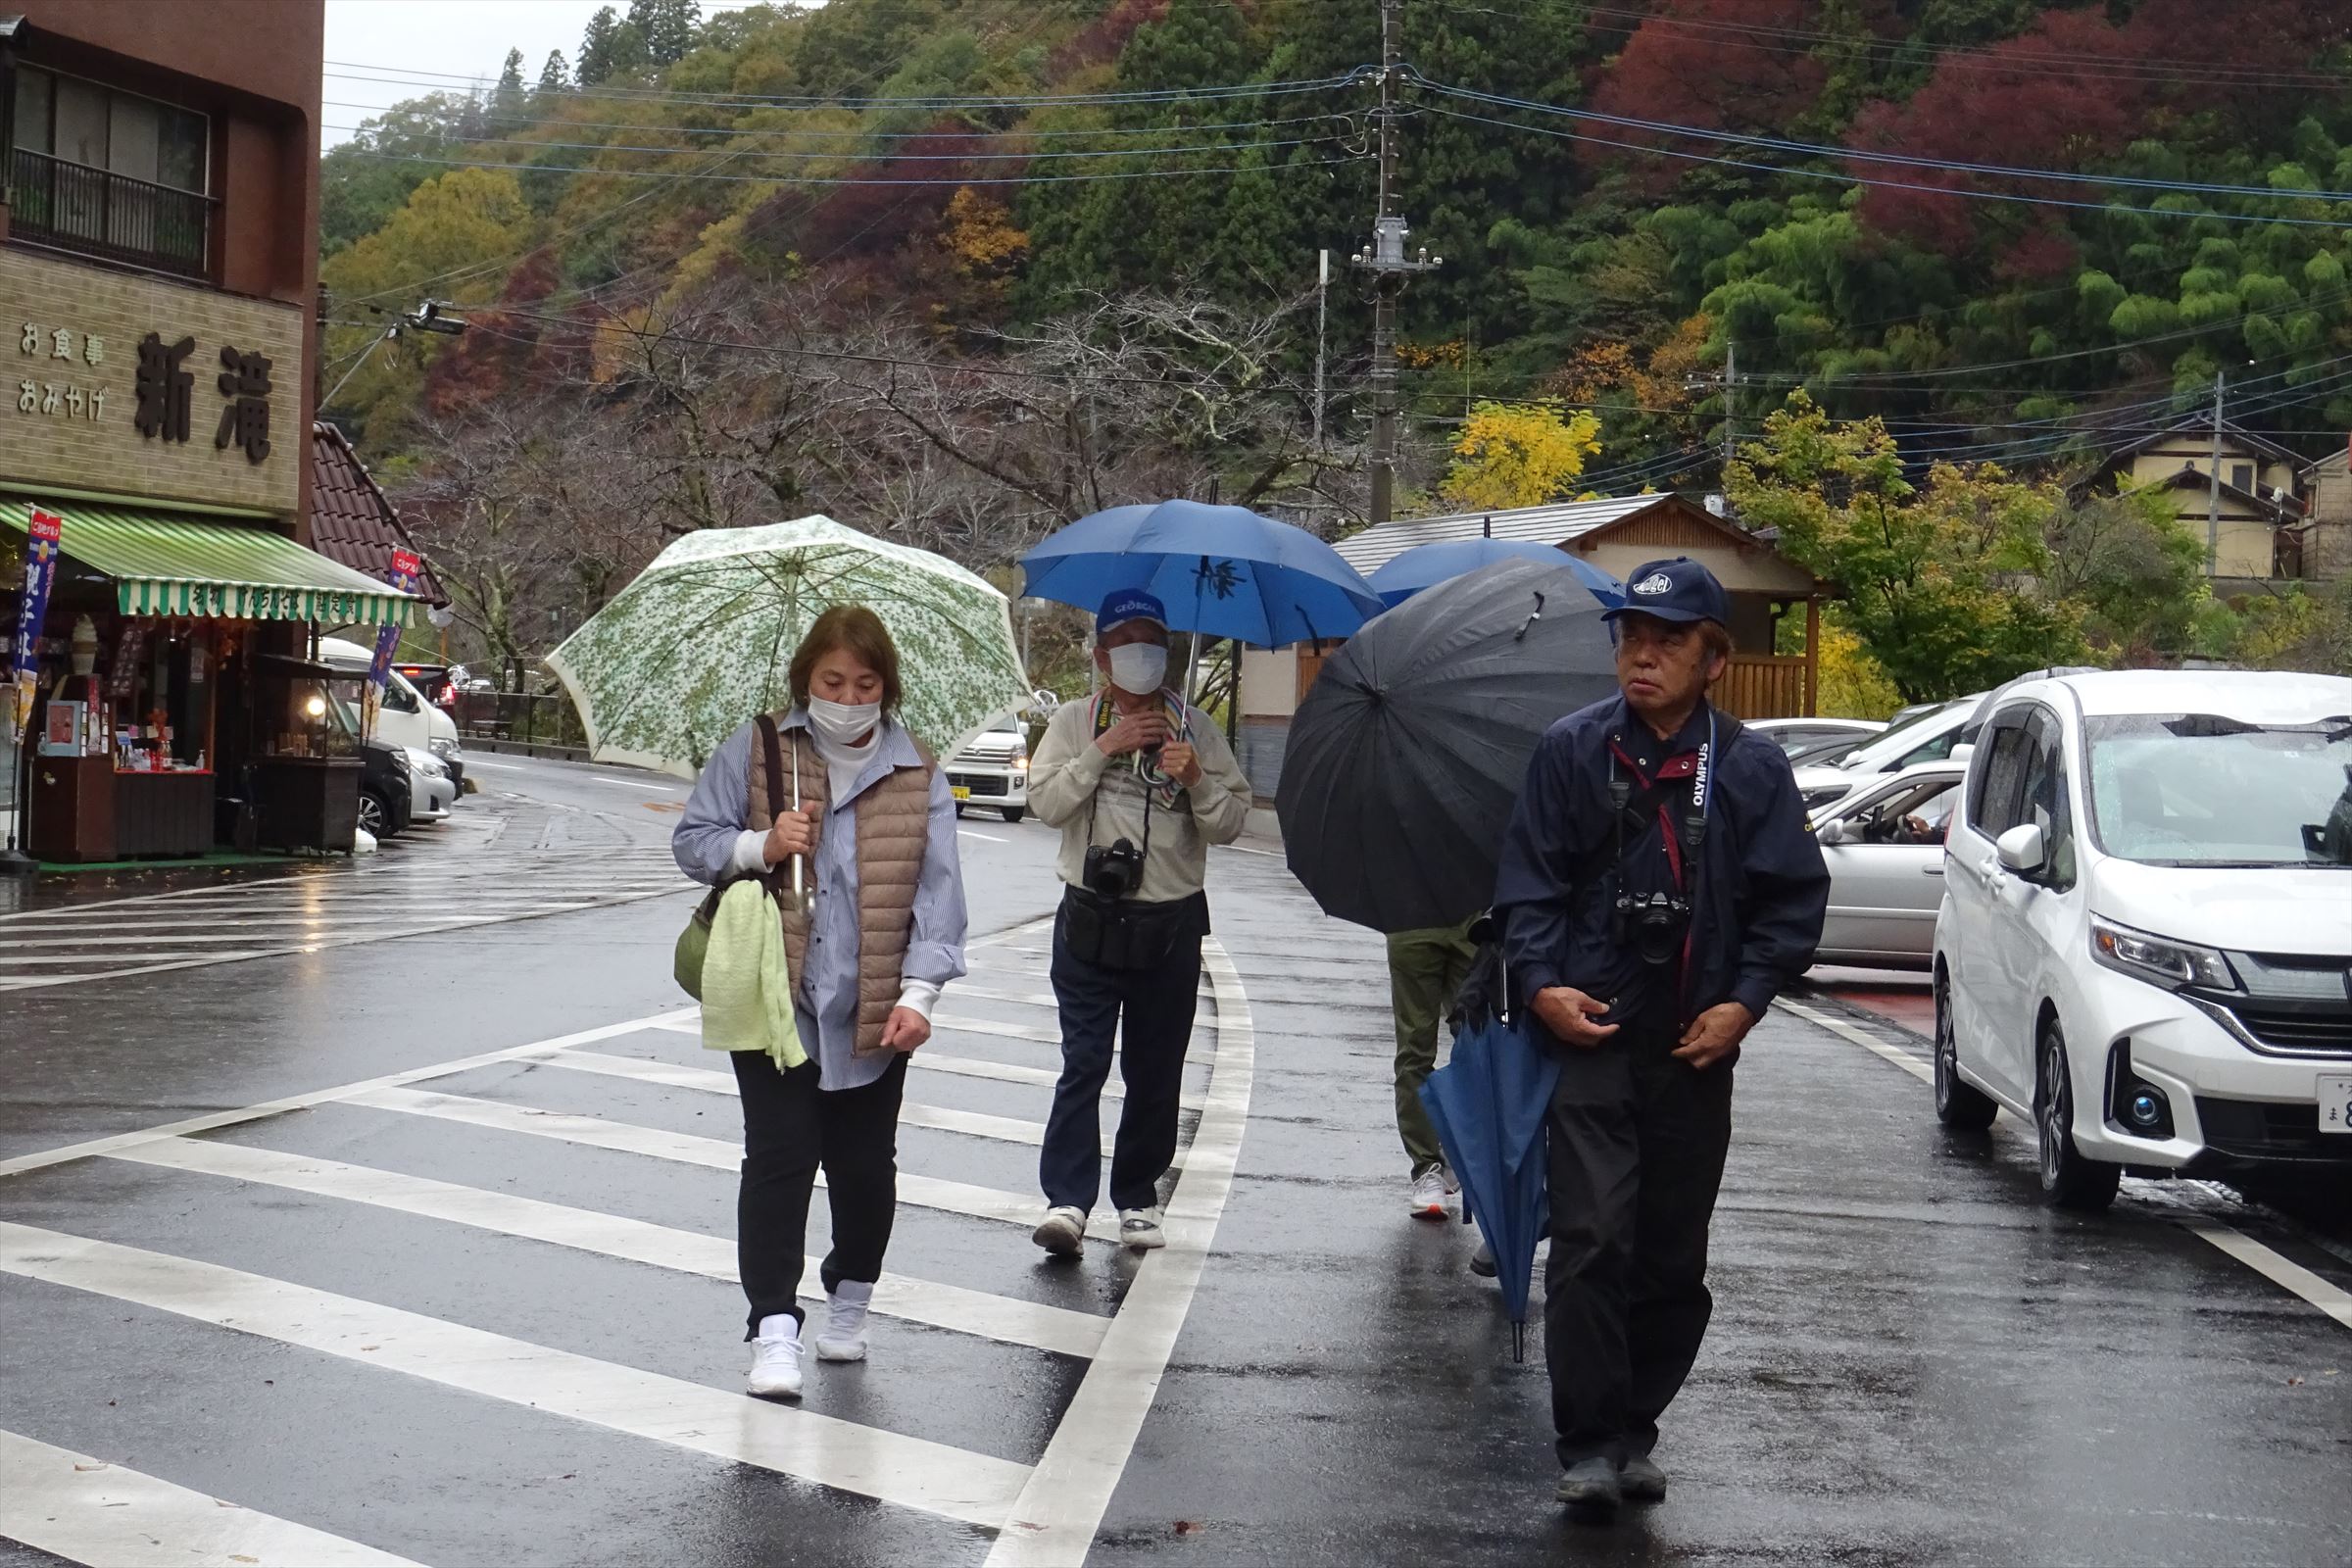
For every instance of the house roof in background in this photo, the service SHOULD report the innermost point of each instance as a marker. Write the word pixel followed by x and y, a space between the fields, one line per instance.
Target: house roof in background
pixel 1556 525
pixel 351 521
pixel 2200 426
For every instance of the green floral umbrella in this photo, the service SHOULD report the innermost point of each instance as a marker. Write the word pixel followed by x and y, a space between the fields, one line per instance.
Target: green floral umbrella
pixel 699 643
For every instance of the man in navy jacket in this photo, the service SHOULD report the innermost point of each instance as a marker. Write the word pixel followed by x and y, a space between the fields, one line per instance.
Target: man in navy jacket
pixel 1659 886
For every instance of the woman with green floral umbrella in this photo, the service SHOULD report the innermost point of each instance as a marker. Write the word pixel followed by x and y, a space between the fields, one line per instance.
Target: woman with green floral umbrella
pixel 702 640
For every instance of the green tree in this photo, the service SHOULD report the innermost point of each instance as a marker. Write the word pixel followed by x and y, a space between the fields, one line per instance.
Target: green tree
pixel 2135 566
pixel 554 79
pixel 667 27
pixel 1941 583
pixel 596 47
pixel 630 54
pixel 505 100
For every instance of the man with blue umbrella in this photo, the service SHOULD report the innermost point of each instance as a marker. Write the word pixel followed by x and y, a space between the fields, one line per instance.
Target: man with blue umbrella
pixel 1659 886
pixel 1141 784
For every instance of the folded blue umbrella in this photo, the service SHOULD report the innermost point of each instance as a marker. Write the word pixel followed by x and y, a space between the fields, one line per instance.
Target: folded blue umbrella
pixel 1427 566
pixel 1490 1104
pixel 1222 572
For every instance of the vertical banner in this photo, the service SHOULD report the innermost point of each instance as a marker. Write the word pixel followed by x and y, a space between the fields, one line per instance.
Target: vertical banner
pixel 40 570
pixel 403 577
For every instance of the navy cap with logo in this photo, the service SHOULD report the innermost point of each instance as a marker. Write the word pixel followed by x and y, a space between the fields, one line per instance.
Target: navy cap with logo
pixel 1129 604
pixel 1680 589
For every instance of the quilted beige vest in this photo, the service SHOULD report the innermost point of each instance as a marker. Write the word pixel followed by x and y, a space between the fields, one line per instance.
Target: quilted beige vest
pixel 893 819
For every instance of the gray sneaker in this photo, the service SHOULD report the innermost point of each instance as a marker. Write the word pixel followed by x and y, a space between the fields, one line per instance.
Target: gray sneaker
pixel 1589 1489
pixel 1640 1480
pixel 1061 1233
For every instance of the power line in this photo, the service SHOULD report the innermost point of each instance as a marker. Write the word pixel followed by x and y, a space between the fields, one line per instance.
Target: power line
pixel 809 180
pixel 564 122
pixel 888 157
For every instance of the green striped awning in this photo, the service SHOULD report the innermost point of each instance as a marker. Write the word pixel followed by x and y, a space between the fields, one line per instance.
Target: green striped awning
pixel 167 564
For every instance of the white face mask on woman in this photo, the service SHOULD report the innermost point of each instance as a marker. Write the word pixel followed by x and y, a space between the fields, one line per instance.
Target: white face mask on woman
pixel 1139 669
pixel 842 723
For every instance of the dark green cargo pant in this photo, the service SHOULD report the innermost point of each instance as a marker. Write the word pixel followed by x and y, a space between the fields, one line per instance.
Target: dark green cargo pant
pixel 1424 970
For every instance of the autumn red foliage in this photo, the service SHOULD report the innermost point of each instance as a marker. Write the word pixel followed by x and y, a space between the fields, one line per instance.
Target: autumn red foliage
pixel 1703 63
pixel 2071 93
pixel 1101 41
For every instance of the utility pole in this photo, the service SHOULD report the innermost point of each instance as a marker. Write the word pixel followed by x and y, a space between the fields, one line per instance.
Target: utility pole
pixel 1386 262
pixel 1322 318
pixel 1730 407
pixel 2213 494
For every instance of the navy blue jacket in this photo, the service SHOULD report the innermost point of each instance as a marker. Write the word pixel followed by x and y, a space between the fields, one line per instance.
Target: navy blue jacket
pixel 1760 896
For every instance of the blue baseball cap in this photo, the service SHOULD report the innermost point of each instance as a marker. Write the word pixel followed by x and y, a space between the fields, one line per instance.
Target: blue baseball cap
pixel 1130 604
pixel 1680 589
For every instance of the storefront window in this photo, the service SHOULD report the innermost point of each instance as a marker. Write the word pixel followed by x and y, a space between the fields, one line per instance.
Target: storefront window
pixel 121 133
pixel 295 715
pixel 37 92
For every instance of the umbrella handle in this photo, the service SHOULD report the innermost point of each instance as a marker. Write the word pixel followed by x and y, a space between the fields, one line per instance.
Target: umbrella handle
pixel 800 886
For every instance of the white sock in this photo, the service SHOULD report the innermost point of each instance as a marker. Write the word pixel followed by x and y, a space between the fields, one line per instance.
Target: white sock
pixel 854 1293
pixel 779 1326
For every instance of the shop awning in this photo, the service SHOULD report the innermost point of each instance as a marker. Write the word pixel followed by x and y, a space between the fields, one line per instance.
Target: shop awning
pixel 167 564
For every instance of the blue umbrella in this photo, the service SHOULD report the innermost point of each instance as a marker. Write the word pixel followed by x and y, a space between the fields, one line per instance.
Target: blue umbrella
pixel 1490 1104
pixel 1427 566
pixel 1222 572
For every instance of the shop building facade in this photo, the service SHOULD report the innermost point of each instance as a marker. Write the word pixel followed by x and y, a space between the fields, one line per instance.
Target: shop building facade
pixel 158 280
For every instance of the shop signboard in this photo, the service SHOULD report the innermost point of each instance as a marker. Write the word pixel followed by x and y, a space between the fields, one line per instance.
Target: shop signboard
pixel 43 536
pixel 116 384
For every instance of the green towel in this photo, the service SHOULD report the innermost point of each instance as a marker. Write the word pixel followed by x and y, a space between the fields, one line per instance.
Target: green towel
pixel 747 983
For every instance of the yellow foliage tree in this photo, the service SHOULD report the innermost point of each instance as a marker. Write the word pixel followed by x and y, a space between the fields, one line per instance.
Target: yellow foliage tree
pixel 1851 683
pixel 980 235
pixel 1519 455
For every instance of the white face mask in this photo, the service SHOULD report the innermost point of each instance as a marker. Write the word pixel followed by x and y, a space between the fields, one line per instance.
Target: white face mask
pixel 842 723
pixel 1139 669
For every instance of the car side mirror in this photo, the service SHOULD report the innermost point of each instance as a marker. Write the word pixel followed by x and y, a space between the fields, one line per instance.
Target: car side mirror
pixel 1839 832
pixel 1964 750
pixel 2021 848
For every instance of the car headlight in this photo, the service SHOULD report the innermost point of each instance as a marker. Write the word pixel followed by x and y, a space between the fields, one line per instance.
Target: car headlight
pixel 433 769
pixel 444 747
pixel 2160 960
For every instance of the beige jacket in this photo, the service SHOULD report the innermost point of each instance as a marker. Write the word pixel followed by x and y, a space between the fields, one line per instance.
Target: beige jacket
pixel 1071 780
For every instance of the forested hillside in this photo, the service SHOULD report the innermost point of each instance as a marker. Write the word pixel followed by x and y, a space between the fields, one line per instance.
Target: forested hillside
pixel 957 270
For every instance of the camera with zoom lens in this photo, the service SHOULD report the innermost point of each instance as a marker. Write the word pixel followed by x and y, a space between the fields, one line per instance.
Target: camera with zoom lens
pixel 1114 870
pixel 1653 926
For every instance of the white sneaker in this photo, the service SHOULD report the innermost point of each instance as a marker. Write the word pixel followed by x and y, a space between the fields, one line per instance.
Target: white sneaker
pixel 1063 1228
pixel 1429 1193
pixel 776 1358
pixel 843 1338
pixel 1139 1228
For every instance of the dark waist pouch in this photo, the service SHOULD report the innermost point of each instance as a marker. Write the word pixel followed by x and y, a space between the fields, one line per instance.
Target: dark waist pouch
pixel 1123 934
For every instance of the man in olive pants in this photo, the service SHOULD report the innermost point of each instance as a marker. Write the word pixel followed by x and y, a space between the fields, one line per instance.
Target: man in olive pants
pixel 1424 970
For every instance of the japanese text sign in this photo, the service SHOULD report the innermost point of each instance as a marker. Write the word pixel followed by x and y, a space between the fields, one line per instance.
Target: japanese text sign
pixel 45 534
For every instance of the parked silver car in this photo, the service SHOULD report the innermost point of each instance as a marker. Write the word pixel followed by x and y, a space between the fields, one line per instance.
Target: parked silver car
pixel 1884 848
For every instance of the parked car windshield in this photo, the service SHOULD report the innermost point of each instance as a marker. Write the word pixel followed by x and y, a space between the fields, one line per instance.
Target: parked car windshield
pixel 1911 741
pixel 2202 789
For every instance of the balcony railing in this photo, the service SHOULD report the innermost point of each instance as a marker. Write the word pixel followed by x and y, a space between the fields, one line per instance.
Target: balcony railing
pixel 95 212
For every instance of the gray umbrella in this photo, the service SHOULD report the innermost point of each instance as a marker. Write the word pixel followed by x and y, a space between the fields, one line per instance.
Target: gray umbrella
pixel 1405 758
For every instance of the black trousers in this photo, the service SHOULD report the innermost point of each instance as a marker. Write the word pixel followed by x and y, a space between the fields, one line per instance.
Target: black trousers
pixel 1638 1145
pixel 790 1127
pixel 1152 1009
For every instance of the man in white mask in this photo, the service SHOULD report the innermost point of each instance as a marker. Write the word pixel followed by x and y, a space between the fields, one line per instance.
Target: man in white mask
pixel 1140 784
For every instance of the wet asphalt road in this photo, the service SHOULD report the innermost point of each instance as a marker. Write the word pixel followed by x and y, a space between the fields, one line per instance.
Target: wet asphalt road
pixel 482 1316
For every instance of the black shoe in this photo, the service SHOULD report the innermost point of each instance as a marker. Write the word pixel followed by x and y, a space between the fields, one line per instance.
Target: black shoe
pixel 1640 1480
pixel 1482 1264
pixel 1591 1490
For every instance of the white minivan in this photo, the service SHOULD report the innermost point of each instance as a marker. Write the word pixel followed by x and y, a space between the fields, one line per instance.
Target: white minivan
pixel 2145 942
pixel 405 717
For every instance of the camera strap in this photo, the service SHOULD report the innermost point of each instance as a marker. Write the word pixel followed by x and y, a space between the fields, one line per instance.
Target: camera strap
pixel 1647 793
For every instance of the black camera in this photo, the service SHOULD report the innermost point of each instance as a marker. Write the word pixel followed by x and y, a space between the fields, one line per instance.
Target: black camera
pixel 1653 926
pixel 1113 870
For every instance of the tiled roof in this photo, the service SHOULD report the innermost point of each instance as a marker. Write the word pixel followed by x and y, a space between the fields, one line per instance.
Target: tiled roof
pixel 1558 525
pixel 350 521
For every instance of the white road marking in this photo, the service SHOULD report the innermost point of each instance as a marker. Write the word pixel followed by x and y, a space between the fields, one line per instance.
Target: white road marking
pixel 908 1472
pixel 932 1059
pixel 85 1509
pixel 947 1306
pixel 1026 998
pixel 990 1026
pixel 692 1148
pixel 472 761
pixel 985 838
pixel 2271 1265
pixel 316 1097
pixel 710 1081
pixel 1243 849
pixel 1845 1031
pixel 631 784
pixel 1054 1519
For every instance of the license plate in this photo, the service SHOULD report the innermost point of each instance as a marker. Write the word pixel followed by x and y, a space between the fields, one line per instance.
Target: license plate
pixel 963 791
pixel 2335 1104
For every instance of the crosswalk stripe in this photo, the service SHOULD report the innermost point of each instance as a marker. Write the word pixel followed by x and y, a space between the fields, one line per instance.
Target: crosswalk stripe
pixel 947 1306
pixel 938 1118
pixel 1026 998
pixel 83 1509
pixel 910 1472
pixel 934 1060
pixel 991 1026
pixel 692 1148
